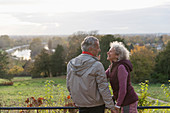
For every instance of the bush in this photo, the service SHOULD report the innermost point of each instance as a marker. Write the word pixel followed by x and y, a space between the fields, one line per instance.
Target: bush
pixel 158 78
pixel 9 83
pixel 143 63
pixel 7 76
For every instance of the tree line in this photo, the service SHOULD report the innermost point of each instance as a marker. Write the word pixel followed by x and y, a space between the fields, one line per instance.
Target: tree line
pixel 148 63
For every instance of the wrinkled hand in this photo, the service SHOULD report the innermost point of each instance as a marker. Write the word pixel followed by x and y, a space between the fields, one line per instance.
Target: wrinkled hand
pixel 75 105
pixel 115 111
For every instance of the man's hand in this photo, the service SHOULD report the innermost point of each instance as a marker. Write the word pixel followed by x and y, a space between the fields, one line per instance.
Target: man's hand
pixel 98 57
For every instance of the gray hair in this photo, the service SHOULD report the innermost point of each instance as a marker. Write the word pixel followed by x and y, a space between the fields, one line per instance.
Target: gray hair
pixel 120 50
pixel 88 42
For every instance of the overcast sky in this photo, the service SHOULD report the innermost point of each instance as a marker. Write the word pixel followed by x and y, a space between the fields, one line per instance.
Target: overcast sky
pixel 65 17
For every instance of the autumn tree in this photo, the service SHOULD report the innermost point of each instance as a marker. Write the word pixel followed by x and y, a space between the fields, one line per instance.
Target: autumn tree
pixel 165 39
pixel 143 61
pixel 16 70
pixel 74 43
pixel 58 41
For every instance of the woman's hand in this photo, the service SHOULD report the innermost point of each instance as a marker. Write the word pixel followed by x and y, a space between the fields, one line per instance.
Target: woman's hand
pixel 117 108
pixel 114 111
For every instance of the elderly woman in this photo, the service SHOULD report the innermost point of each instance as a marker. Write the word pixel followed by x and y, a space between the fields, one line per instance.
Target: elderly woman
pixel 119 76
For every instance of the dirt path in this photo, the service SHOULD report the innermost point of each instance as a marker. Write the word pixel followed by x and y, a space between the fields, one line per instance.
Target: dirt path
pixel 156 99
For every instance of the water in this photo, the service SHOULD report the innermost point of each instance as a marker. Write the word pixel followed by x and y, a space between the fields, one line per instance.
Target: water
pixel 15 48
pixel 22 54
pixel 17 53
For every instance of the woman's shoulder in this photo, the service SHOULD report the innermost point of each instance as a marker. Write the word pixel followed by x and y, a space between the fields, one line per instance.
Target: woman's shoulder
pixel 121 67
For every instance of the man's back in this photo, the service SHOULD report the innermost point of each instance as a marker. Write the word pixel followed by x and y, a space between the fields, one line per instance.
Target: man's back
pixel 81 80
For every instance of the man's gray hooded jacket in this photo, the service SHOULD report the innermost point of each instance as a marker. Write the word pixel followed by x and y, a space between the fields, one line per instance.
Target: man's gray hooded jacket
pixel 87 82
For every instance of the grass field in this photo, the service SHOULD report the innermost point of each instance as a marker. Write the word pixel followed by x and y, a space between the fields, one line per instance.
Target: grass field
pixel 155 91
pixel 26 87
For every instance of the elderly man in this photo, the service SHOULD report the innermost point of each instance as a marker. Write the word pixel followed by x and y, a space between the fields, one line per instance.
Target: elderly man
pixel 87 81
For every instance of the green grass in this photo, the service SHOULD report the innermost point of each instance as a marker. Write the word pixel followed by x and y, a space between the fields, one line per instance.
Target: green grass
pixel 155 91
pixel 26 87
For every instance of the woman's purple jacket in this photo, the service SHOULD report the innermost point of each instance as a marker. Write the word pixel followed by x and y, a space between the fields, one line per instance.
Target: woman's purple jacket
pixel 119 76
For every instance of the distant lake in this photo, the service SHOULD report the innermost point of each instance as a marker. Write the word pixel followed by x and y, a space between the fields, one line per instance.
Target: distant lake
pixel 22 54
pixel 19 53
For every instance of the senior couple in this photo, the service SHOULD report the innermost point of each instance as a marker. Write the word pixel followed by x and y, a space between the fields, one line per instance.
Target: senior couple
pixel 87 81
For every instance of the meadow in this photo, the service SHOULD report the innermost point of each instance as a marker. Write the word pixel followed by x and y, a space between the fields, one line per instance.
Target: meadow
pixel 26 87
pixel 52 90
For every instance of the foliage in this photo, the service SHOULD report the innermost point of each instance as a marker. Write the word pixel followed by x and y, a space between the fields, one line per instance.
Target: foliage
pixel 28 66
pixel 35 47
pixel 32 102
pixel 105 46
pixel 143 63
pixel 166 39
pixel 143 94
pixel 6 83
pixel 41 65
pixel 57 61
pixel 5 41
pixel 4 66
pixel 25 87
pixel 144 101
pixel 162 66
pixel 49 91
pixel 58 41
pixel 48 64
pixel 3 62
pixel 48 99
pixel 15 70
pixel 166 90
pixel 74 43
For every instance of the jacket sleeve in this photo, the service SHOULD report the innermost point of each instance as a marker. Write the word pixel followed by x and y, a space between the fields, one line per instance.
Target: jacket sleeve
pixel 68 77
pixel 122 77
pixel 103 88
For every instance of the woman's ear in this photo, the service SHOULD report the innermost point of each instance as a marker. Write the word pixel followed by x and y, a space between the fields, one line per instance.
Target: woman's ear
pixel 117 56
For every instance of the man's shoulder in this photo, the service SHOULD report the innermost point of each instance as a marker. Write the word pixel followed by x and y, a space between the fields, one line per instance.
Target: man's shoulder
pixel 98 64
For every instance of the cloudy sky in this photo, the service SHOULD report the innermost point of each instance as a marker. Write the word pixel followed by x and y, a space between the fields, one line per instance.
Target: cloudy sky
pixel 65 17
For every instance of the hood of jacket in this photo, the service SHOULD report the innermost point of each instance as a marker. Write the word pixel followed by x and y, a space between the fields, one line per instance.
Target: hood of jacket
pixel 82 63
pixel 126 63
